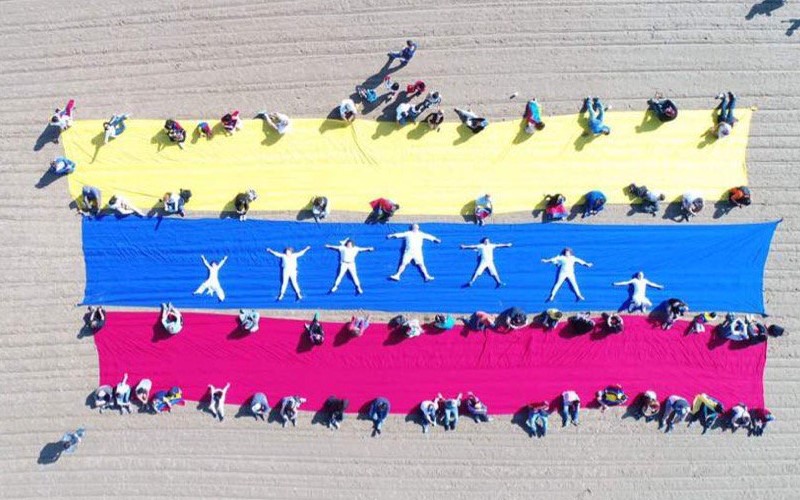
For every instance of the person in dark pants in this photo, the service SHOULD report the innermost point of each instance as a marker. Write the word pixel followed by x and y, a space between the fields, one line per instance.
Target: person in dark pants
pixel 664 109
pixel 242 203
pixel 335 408
pixel 404 55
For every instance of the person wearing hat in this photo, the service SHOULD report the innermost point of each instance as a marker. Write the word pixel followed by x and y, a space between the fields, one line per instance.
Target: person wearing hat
pixel 550 318
pixel 613 395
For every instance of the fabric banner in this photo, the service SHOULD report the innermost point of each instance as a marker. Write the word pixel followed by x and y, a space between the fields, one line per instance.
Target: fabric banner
pixel 506 370
pixel 143 262
pixel 426 172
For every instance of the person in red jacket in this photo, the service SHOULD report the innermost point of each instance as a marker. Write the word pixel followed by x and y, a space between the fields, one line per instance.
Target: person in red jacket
pixel 383 209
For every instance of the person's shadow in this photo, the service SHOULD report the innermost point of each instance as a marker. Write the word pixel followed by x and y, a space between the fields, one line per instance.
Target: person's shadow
pixel 50 453
pixel 50 134
pixel 765 7
pixel 794 25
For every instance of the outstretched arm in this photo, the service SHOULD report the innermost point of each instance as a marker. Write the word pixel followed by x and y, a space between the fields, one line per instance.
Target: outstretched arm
pixel 549 261
pixel 503 245
pixel 273 252
pixel 394 235
pixel 469 247
pixel 430 237
pixel 222 262
pixel 654 285
pixel 303 251
pixel 205 261
pixel 623 283
pixel 333 247
pixel 583 262
pixel 366 249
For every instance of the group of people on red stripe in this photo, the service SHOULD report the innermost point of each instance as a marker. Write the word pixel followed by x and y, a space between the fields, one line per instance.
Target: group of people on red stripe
pixel 445 411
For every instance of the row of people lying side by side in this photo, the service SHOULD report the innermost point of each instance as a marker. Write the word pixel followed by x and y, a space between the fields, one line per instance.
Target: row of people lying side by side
pixel 383 209
pixel 445 411
pixel 733 328
pixel 664 110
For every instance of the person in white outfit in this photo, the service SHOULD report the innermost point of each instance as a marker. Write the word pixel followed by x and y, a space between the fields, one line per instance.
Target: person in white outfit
pixel 566 272
pixel 216 405
pixel 289 269
pixel 122 206
pixel 211 285
pixel 347 262
pixel 412 251
pixel 639 286
pixel 485 250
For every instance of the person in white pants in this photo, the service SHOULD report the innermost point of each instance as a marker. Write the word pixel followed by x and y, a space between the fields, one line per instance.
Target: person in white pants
pixel 566 272
pixel 211 285
pixel 347 262
pixel 289 269
pixel 123 206
pixel 639 286
pixel 412 251
pixel 217 403
pixel 485 250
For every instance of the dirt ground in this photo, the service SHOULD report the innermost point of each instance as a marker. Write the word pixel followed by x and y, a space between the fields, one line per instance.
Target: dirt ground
pixel 202 58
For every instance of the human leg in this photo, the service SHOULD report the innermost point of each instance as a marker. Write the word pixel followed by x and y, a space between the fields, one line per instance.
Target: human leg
pixel 203 288
pixel 284 284
pixel 295 285
pixel 494 274
pixel 407 258
pixel 219 291
pixel 351 268
pixel 339 276
pixel 574 409
pixel 420 262
pixel 482 266
pixel 590 108
pixel 574 284
pixel 559 281
pixel 729 118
